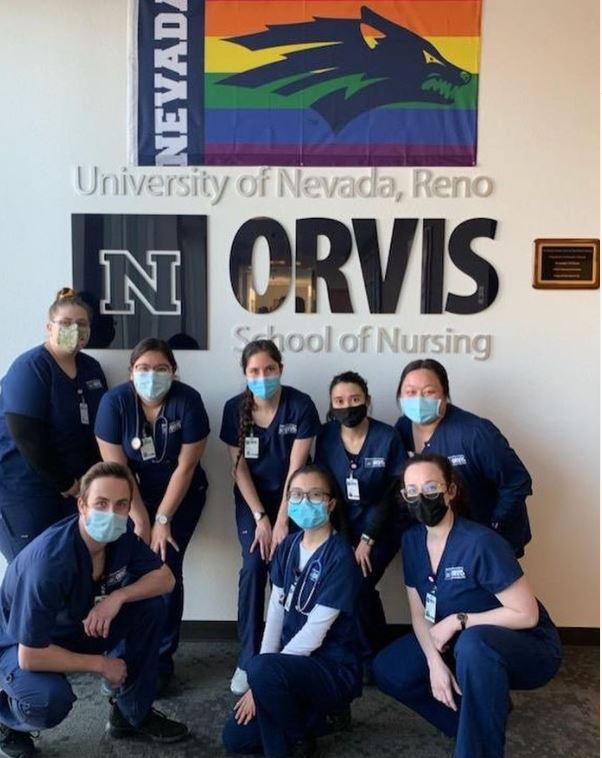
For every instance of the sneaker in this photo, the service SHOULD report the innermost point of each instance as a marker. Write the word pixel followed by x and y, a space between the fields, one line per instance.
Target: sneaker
pixel 156 726
pixel 15 744
pixel 239 684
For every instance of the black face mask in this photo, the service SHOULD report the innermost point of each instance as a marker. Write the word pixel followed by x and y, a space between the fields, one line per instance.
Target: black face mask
pixel 351 416
pixel 428 512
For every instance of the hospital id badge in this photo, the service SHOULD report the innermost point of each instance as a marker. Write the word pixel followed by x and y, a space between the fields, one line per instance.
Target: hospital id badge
pixel 289 598
pixel 148 449
pixel 84 416
pixel 251 447
pixel 430 607
pixel 353 488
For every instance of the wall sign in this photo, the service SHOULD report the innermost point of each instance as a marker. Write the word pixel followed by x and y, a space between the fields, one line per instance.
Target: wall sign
pixel 567 264
pixel 142 275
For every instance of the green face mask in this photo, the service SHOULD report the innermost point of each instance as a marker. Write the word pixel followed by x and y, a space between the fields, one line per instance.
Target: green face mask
pixel 68 338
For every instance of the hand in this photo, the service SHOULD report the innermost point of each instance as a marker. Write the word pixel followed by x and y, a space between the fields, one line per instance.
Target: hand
pixel 443 684
pixel 263 538
pixel 73 491
pixel 114 670
pixel 244 710
pixel 442 632
pixel 160 536
pixel 362 556
pixel 279 532
pixel 142 527
pixel 98 622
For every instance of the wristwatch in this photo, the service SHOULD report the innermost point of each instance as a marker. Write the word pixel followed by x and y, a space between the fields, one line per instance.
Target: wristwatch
pixel 162 519
pixel 367 540
pixel 258 515
pixel 462 618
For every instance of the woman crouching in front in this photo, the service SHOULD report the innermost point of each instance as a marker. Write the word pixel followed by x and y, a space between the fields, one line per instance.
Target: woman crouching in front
pixel 310 662
pixel 478 629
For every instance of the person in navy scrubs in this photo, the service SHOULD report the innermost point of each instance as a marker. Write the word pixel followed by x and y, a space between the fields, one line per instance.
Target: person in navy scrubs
pixel 309 663
pixel 48 403
pixel 269 430
pixel 478 630
pixel 366 457
pixel 158 426
pixel 496 479
pixel 81 590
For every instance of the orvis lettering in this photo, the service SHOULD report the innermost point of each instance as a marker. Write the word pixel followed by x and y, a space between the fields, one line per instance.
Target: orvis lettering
pixel 127 280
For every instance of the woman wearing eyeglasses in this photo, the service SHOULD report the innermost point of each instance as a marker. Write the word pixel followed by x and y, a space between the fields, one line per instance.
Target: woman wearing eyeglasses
pixel 48 403
pixel 365 457
pixel 158 426
pixel 478 630
pixel 309 663
pixel 497 482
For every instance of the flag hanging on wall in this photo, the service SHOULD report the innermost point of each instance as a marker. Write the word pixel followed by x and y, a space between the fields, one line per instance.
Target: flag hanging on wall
pixel 304 82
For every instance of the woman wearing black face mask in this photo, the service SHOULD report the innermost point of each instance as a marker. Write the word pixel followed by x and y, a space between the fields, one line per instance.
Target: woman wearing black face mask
pixel 365 458
pixel 478 630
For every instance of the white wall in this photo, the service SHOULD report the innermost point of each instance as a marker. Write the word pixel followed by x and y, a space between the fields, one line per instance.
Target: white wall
pixel 64 104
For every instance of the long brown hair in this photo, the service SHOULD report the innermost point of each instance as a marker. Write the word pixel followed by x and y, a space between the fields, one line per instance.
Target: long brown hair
pixel 247 401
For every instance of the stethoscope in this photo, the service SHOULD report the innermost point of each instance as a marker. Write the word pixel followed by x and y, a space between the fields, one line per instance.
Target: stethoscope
pixel 311 572
pixel 147 430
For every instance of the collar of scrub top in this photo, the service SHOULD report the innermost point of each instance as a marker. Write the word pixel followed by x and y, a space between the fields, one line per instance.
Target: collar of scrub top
pixel 313 565
pixel 148 428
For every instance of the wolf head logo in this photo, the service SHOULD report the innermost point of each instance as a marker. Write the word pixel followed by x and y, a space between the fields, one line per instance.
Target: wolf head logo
pixel 360 72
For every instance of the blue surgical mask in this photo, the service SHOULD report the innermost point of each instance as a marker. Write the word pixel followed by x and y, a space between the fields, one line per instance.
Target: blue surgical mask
pixel 264 387
pixel 420 410
pixel 307 515
pixel 152 385
pixel 105 526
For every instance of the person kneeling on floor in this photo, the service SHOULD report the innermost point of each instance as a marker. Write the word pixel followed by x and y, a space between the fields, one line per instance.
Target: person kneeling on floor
pixel 84 596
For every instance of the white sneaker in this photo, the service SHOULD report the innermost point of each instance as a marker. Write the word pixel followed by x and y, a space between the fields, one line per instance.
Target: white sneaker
pixel 239 684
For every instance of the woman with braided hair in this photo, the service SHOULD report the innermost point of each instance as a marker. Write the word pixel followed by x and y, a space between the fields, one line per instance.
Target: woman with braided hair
pixel 269 429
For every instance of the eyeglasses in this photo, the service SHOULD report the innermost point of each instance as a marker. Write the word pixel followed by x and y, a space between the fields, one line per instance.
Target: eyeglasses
pixel 143 368
pixel 315 496
pixel 67 322
pixel 430 490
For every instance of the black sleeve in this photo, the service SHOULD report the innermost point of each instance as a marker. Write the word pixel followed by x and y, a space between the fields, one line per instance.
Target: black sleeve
pixel 387 511
pixel 32 441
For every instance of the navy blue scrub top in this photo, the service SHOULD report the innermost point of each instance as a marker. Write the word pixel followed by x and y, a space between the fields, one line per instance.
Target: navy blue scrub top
pixel 181 421
pixel 37 387
pixel 476 564
pixel 496 479
pixel 48 588
pixel 380 460
pixel 331 577
pixel 296 418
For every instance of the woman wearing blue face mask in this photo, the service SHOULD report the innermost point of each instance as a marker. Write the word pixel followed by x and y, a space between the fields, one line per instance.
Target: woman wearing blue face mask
pixel 309 664
pixel 48 403
pixel 269 430
pixel 496 480
pixel 158 426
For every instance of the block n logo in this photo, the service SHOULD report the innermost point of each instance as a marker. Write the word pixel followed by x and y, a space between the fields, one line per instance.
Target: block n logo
pixel 144 276
pixel 155 286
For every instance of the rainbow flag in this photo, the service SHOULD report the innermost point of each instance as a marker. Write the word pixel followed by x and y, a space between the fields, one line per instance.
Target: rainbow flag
pixel 305 82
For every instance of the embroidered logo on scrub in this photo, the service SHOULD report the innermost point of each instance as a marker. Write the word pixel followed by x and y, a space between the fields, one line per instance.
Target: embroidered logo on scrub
pixel 175 425
pixel 116 577
pixel 454 572
pixel 457 460
pixel 94 384
pixel 287 429
pixel 374 462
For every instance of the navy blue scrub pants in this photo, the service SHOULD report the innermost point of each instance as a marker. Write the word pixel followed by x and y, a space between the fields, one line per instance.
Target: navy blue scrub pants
pixel 291 693
pixel 252 579
pixel 489 661
pixel 372 620
pixel 183 526
pixel 32 700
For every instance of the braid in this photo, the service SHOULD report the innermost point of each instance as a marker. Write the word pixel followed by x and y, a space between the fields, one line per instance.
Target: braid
pixel 247 403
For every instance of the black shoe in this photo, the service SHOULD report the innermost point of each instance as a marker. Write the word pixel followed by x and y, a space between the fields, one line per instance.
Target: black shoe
pixel 15 744
pixel 339 721
pixel 303 749
pixel 156 726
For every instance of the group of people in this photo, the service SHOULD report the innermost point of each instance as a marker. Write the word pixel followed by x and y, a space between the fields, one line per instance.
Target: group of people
pixel 101 491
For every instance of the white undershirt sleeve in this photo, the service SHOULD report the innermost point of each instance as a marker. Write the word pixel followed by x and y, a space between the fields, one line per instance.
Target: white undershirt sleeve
pixel 272 634
pixel 312 633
